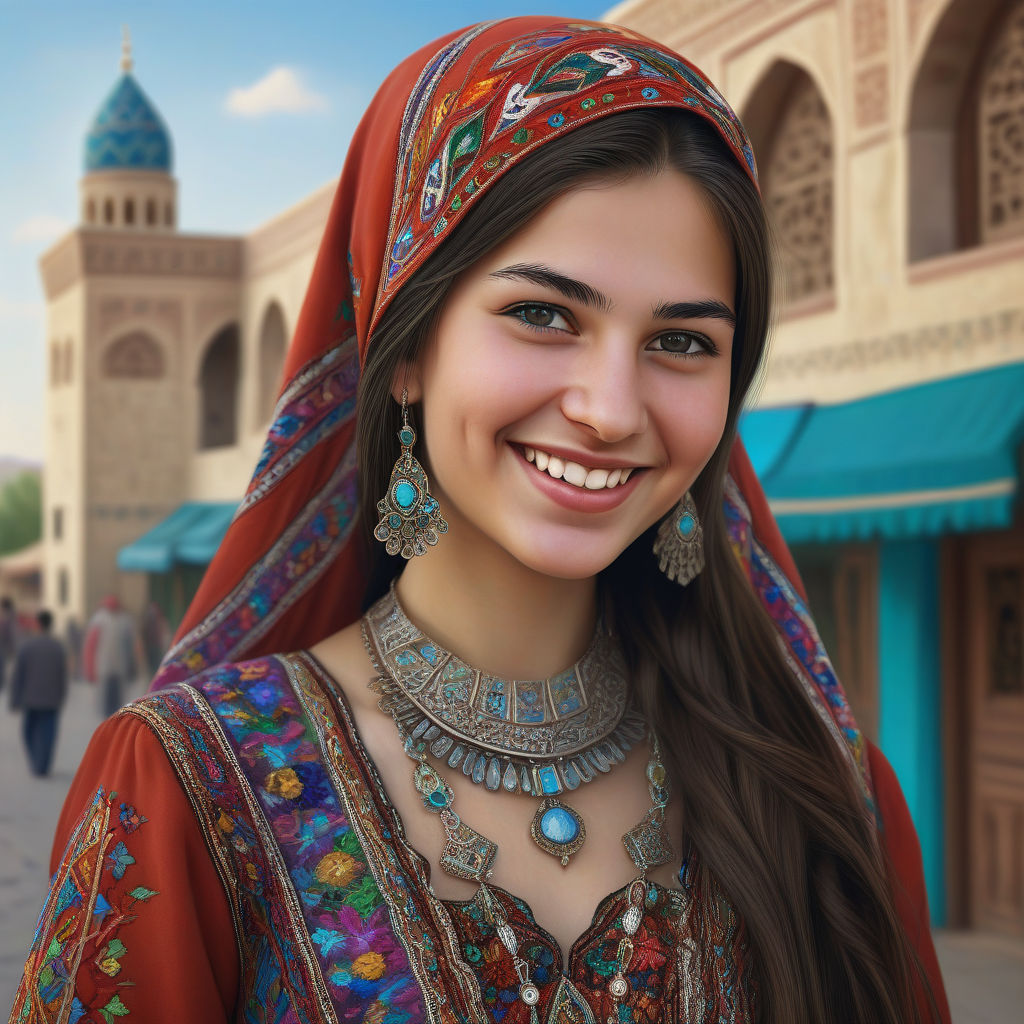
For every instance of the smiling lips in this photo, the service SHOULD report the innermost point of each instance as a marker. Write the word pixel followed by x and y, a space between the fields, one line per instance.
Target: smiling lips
pixel 576 474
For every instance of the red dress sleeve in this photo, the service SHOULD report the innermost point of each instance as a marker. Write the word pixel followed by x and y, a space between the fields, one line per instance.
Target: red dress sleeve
pixel 136 923
pixel 906 874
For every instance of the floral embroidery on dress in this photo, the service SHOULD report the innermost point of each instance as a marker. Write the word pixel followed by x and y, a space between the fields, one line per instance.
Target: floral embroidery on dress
pixel 73 971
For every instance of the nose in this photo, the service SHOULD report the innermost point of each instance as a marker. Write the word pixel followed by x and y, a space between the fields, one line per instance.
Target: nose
pixel 605 395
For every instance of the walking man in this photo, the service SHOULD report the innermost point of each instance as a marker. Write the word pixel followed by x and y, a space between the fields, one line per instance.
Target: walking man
pixel 111 653
pixel 39 685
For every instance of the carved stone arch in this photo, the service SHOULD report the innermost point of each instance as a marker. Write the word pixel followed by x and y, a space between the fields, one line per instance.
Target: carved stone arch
pixel 219 376
pixel 791 130
pixel 942 127
pixel 135 355
pixel 273 345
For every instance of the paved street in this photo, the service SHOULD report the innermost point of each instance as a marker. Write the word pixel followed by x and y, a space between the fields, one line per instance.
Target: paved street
pixel 984 976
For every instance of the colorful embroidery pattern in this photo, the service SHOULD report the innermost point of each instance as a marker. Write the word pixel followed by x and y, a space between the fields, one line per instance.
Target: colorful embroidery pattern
pixel 453 145
pixel 364 966
pixel 297 559
pixel 73 971
pixel 797 629
pixel 278 979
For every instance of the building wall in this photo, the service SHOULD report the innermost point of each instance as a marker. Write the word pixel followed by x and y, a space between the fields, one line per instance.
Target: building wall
pixel 123 443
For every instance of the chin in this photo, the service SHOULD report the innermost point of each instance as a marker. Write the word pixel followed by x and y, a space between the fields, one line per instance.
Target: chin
pixel 565 559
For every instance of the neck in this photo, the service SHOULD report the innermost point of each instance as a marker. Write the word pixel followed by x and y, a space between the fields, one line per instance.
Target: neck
pixel 496 613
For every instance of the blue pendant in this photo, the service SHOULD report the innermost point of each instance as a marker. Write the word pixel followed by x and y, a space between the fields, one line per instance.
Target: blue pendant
pixel 558 829
pixel 559 826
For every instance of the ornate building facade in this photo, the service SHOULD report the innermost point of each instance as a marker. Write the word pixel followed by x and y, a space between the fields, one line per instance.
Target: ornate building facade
pixel 165 352
pixel 888 428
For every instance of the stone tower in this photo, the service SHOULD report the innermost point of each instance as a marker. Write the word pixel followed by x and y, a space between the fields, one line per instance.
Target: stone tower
pixel 131 306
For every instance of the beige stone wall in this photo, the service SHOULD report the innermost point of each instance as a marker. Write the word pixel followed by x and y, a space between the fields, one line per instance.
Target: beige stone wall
pixel 891 321
pixel 64 473
pixel 137 311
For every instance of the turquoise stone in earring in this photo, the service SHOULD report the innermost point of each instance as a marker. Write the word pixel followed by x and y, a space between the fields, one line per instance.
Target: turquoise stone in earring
pixel 679 545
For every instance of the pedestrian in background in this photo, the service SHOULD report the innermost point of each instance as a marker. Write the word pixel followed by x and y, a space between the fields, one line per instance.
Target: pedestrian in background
pixel 39 685
pixel 110 653
pixel 8 625
pixel 156 636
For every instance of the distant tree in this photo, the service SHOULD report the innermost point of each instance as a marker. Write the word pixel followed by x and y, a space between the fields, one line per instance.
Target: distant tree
pixel 21 512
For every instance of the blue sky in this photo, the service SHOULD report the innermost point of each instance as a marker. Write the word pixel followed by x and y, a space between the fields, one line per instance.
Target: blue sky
pixel 209 70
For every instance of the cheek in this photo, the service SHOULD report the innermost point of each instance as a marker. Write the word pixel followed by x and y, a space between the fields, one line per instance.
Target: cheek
pixel 692 419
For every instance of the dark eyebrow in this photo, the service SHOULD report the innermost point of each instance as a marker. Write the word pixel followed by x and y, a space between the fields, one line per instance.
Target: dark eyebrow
pixel 702 309
pixel 579 292
pixel 586 295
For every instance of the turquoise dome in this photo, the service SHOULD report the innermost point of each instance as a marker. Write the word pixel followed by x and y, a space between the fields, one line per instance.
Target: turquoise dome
pixel 128 133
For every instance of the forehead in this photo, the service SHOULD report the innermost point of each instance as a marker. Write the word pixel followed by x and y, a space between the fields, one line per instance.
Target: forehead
pixel 648 236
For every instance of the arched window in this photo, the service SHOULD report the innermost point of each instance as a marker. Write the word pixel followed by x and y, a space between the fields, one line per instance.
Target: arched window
pixel 108 211
pixel 273 345
pixel 134 356
pixel 964 130
pixel 68 357
pixel 129 211
pixel 218 390
pixel 169 215
pixel 1000 130
pixel 791 130
pixel 55 369
pixel 151 212
pixel 90 212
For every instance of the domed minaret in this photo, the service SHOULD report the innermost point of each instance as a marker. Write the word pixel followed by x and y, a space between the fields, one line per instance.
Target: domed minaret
pixel 128 183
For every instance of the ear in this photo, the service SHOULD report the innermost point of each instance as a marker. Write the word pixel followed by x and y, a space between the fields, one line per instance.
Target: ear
pixel 407 375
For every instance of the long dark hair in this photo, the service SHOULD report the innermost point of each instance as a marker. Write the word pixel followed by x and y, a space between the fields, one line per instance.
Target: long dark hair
pixel 770 807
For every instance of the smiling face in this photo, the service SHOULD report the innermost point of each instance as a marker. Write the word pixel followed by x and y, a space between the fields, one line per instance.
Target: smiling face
pixel 578 378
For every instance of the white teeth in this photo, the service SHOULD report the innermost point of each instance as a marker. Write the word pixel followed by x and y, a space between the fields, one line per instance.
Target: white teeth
pixel 575 474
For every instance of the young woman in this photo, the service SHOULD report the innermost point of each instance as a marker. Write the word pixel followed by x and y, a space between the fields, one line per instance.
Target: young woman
pixel 560 742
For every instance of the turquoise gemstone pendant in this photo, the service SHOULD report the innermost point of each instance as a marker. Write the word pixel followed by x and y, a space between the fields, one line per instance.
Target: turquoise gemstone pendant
pixel 558 829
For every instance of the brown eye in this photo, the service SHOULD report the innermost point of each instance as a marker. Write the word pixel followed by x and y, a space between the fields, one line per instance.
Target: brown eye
pixel 539 316
pixel 683 344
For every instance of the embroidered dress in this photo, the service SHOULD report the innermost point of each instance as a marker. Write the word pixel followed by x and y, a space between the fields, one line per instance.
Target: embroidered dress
pixel 241 814
pixel 227 851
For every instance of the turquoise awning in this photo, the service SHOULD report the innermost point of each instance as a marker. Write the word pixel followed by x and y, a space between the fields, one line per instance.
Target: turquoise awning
pixel 767 434
pixel 189 535
pixel 935 458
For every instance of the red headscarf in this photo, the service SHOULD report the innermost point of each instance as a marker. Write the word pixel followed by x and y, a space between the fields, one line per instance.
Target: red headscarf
pixel 447 123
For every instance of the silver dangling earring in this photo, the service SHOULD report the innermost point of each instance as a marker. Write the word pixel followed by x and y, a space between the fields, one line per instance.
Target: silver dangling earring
pixel 679 546
pixel 410 517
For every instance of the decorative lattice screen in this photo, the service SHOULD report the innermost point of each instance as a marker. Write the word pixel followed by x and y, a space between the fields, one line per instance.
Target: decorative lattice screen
pixel 1001 133
pixel 797 183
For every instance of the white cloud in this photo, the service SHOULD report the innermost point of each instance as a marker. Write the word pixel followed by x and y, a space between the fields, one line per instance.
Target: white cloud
pixel 280 90
pixel 43 227
pixel 19 309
